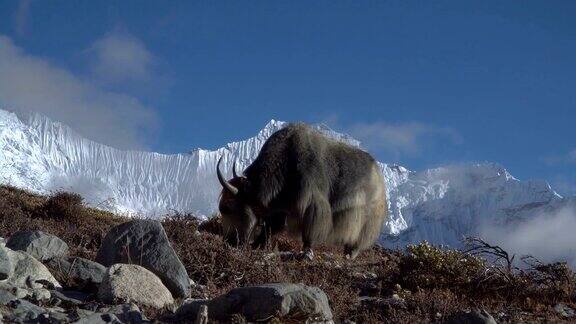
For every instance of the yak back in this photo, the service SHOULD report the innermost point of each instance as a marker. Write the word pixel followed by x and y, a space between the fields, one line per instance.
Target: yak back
pixel 298 158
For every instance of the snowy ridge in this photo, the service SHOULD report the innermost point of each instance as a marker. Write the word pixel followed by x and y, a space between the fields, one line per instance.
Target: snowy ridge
pixel 439 205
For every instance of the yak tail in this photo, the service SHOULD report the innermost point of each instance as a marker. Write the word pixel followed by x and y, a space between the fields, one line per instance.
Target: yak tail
pixel 316 220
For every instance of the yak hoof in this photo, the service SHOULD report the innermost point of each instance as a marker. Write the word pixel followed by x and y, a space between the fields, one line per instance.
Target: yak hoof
pixel 352 254
pixel 307 254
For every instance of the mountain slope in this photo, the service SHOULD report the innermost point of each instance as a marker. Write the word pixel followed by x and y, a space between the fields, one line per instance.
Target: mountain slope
pixel 439 205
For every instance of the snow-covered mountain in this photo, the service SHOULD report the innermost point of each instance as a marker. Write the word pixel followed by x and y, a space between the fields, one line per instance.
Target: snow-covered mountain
pixel 439 205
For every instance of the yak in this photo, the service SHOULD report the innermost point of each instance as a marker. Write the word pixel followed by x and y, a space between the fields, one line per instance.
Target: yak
pixel 319 189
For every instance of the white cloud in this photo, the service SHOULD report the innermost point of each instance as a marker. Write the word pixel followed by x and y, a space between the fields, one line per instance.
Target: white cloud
pixel 120 57
pixel 548 237
pixel 401 138
pixel 31 83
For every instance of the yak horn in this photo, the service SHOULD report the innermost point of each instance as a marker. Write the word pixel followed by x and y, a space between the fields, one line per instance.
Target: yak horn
pixel 234 170
pixel 225 184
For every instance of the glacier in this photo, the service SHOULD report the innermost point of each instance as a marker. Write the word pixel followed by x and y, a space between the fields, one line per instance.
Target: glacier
pixel 439 205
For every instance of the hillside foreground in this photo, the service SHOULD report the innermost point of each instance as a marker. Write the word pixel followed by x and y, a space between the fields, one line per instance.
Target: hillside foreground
pixel 423 283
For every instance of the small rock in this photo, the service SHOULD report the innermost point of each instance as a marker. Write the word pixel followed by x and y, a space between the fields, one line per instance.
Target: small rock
pixel 40 245
pixel 99 318
pixel 472 317
pixel 564 311
pixel 27 272
pixel 57 315
pixel 396 297
pixel 132 283
pixel 5 265
pixel 41 294
pixel 190 308
pixel 127 313
pixel 144 242
pixel 81 273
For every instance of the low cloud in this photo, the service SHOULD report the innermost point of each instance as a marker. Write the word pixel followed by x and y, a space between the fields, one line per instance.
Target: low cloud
pixel 548 237
pixel 120 57
pixel 401 138
pixel 31 83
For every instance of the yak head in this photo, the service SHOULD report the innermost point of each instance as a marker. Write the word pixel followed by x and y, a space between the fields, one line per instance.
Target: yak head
pixel 241 219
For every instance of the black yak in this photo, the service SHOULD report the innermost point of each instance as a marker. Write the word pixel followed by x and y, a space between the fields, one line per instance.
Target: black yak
pixel 320 189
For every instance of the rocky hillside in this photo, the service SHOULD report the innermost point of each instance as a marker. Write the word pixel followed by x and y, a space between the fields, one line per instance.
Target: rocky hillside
pixel 63 262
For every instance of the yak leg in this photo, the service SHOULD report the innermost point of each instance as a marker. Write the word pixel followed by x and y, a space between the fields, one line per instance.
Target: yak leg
pixel 317 223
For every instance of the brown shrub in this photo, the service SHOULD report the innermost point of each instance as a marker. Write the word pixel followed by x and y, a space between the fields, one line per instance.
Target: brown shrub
pixel 62 205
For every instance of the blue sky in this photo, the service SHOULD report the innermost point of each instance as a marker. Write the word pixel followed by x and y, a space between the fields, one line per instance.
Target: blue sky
pixel 421 83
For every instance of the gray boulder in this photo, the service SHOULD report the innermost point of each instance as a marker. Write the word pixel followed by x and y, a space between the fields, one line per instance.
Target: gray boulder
pixel 42 246
pixel 5 265
pixel 27 272
pixel 132 283
pixel 144 242
pixel 476 316
pixel 263 302
pixel 80 273
pixel 99 318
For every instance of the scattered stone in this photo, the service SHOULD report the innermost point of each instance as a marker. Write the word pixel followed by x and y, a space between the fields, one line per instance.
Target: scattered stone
pixel 99 318
pixel 19 310
pixel 263 302
pixel 27 272
pixel 57 315
pixel 365 275
pixel 132 283
pixel 190 308
pixel 472 317
pixel 564 311
pixel 127 313
pixel 144 242
pixel 80 273
pixel 5 265
pixel 40 245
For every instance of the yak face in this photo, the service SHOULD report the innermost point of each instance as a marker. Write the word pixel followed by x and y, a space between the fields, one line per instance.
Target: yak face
pixel 240 221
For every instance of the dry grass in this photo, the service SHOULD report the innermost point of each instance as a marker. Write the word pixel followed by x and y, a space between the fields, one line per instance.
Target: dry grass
pixel 428 283
pixel 61 214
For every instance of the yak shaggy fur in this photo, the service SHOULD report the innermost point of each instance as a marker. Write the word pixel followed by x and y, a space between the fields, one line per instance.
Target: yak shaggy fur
pixel 323 190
